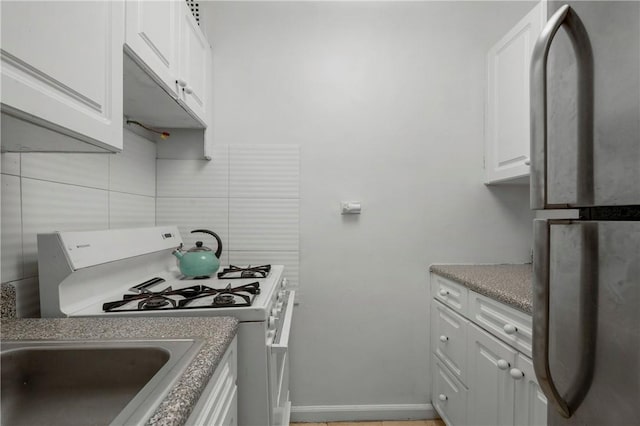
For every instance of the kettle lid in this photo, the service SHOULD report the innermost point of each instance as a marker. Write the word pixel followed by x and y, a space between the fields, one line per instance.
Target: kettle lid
pixel 198 247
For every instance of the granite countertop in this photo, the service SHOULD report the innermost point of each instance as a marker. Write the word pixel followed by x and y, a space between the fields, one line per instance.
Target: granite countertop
pixel 217 333
pixel 7 301
pixel 510 284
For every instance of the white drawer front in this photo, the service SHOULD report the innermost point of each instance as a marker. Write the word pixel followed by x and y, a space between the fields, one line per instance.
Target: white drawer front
pixel 449 339
pixel 450 293
pixel 508 324
pixel 449 395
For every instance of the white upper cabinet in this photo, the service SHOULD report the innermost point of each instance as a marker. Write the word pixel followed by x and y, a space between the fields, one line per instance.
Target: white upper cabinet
pixel 194 63
pixel 507 107
pixel 62 70
pixel 173 57
pixel 151 36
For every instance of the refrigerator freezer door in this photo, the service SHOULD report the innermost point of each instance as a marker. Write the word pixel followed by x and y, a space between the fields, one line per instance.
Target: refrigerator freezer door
pixel 594 310
pixel 613 29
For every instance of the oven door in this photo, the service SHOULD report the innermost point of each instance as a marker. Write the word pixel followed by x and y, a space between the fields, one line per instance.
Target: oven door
pixel 278 364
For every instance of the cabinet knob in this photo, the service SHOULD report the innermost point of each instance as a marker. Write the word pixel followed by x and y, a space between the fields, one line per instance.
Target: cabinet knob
pixel 181 82
pixel 510 329
pixel 503 364
pixel 516 374
pixel 443 292
pixel 444 339
pixel 442 397
pixel 527 162
pixel 188 90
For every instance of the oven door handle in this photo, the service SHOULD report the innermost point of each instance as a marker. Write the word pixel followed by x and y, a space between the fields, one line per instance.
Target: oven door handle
pixel 283 342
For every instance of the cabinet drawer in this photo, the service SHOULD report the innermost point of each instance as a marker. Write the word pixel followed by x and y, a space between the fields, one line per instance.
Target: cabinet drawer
pixel 449 338
pixel 449 395
pixel 508 324
pixel 450 293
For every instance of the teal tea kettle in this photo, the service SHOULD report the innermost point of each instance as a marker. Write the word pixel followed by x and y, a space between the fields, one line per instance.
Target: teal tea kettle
pixel 199 261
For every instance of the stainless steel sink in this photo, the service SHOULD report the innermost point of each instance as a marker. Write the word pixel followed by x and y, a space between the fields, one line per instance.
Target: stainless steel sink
pixel 88 382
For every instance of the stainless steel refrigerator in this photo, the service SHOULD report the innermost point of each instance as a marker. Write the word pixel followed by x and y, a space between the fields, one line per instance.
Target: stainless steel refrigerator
pixel 585 152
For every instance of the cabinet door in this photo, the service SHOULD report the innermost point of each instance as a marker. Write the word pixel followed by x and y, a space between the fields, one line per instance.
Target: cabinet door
pixel 194 65
pixel 507 126
pixel 491 388
pixel 530 402
pixel 449 339
pixel 62 67
pixel 152 38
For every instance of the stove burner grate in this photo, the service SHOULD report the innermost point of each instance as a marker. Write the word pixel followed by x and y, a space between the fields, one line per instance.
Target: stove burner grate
pixel 237 272
pixel 180 299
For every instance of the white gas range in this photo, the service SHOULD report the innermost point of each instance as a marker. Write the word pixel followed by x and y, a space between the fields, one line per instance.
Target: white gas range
pixel 131 272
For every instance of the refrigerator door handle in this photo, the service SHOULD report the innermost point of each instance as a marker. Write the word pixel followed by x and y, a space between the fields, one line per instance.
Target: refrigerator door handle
pixel 586 333
pixel 538 87
pixel 541 290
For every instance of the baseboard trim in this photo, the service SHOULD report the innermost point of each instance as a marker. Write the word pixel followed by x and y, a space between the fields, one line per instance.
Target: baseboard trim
pixel 342 413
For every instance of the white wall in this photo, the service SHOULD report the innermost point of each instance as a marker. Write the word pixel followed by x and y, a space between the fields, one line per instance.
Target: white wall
pixel 62 192
pixel 385 100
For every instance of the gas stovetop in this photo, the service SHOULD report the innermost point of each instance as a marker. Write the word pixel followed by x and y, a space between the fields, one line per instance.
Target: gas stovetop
pixel 195 296
pixel 131 272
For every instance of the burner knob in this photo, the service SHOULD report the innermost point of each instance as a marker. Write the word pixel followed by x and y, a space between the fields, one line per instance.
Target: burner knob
pixel 275 312
pixel 271 322
pixel 271 334
pixel 284 283
pixel 281 295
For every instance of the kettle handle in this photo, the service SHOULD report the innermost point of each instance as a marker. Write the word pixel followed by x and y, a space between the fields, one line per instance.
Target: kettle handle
pixel 214 235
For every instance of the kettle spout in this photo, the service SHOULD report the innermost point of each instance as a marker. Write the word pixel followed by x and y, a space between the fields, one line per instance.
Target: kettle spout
pixel 178 252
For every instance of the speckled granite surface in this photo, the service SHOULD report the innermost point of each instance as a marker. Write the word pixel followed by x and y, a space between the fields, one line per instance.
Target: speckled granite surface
pixel 218 332
pixel 510 284
pixel 7 301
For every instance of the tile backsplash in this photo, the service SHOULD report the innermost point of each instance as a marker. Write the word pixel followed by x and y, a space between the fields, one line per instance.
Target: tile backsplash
pixel 44 192
pixel 248 194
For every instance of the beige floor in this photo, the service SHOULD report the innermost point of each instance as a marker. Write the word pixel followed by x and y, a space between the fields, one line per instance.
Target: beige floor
pixel 382 423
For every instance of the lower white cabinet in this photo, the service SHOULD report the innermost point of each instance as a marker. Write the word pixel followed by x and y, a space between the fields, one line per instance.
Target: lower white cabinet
pixel 480 375
pixel 530 402
pixel 491 396
pixel 218 404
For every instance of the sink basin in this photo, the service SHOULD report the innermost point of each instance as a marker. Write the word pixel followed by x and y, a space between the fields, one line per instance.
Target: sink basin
pixel 89 382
